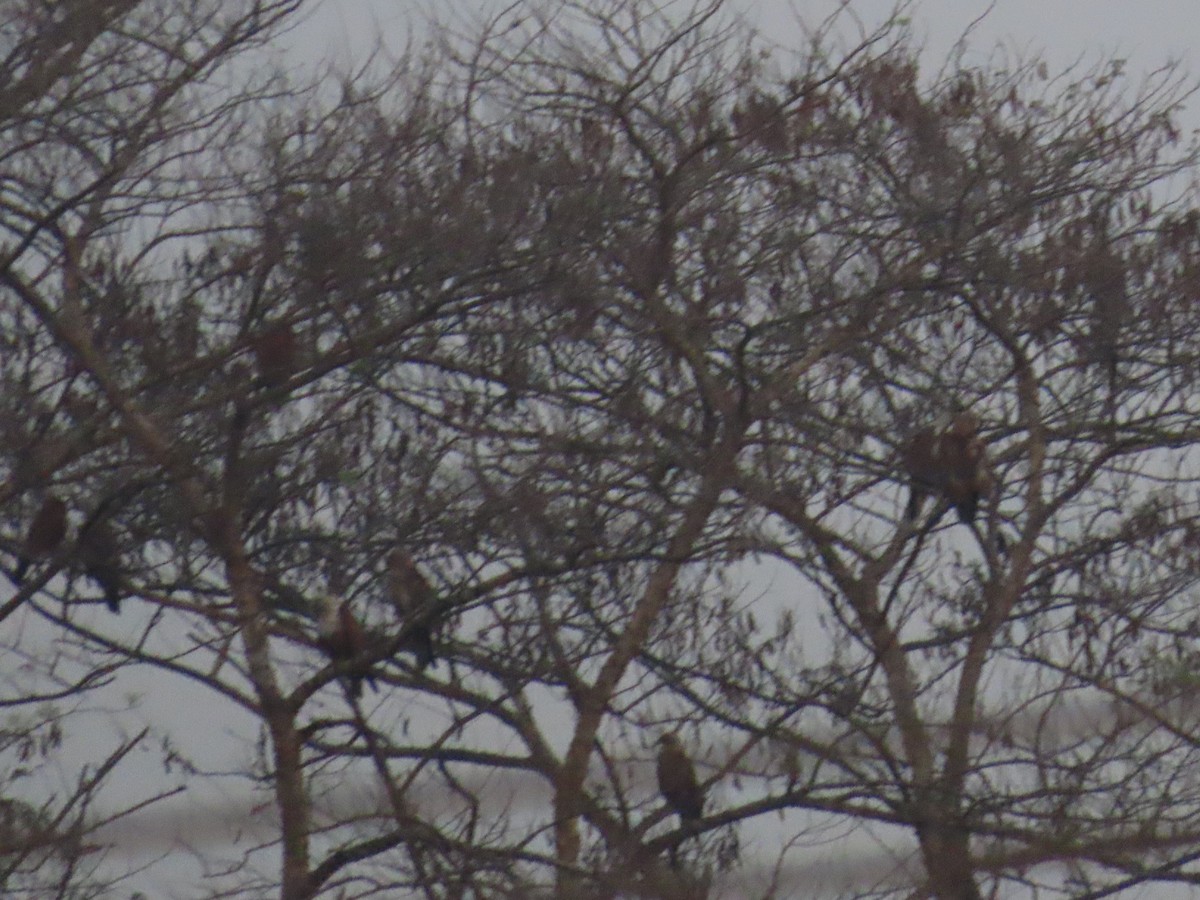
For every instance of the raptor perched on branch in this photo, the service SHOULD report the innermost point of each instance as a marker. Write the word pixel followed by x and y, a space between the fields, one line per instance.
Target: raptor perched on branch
pixel 100 556
pixel 414 600
pixel 275 354
pixel 952 463
pixel 677 780
pixel 46 532
pixel 345 642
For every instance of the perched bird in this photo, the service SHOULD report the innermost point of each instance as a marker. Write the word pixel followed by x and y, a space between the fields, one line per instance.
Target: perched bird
pixel 920 459
pixel 46 532
pixel 414 601
pixel 952 463
pixel 101 559
pixel 677 781
pixel 343 639
pixel 967 477
pixel 275 354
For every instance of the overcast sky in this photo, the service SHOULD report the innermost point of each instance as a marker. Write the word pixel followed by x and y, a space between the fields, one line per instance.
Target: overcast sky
pixel 1148 33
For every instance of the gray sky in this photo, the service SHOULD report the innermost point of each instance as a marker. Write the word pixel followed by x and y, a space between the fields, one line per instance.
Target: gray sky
pixel 1148 33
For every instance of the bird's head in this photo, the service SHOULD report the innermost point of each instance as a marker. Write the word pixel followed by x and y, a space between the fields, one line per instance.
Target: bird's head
pixel 328 622
pixel 965 424
pixel 402 561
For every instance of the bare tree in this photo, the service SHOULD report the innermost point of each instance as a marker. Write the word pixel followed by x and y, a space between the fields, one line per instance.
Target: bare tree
pixel 532 359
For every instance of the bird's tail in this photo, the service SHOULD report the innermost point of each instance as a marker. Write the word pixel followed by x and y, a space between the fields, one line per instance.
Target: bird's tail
pixel 420 642
pixel 916 497
pixel 967 507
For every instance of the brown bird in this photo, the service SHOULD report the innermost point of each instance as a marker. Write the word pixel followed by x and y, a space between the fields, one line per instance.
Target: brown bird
pixel 920 460
pixel 967 477
pixel 953 464
pixel 101 559
pixel 46 532
pixel 414 601
pixel 677 781
pixel 343 639
pixel 275 354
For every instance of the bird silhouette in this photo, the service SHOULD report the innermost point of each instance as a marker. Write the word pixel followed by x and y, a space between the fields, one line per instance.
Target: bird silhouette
pixel 677 783
pixel 677 780
pixel 414 600
pixel 46 532
pixel 275 354
pixel 952 463
pixel 967 477
pixel 345 642
pixel 920 459
pixel 100 557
